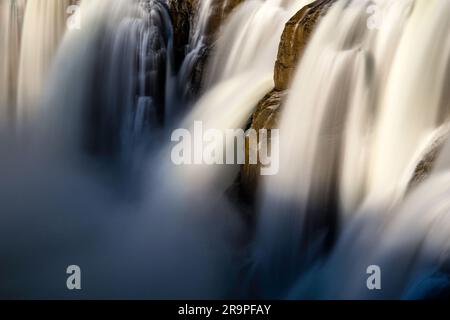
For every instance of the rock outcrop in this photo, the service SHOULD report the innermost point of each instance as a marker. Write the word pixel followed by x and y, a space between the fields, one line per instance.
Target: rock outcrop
pixel 294 39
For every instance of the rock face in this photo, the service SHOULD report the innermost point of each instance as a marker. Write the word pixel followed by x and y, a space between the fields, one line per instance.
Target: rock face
pixel 294 39
pixel 191 55
pixel 429 157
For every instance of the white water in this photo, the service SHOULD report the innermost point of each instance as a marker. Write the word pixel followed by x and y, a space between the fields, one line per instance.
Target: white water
pixel 364 104
pixel 43 27
pixel 11 19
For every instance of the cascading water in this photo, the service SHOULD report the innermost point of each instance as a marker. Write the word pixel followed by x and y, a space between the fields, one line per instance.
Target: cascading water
pixel 111 75
pixel 199 34
pixel 411 248
pixel 362 104
pixel 369 101
pixel 424 103
pixel 187 85
pixel 43 27
pixel 11 19
pixel 243 57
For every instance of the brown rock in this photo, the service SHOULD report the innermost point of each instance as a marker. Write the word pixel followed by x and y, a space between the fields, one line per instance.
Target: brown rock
pixel 220 9
pixel 293 42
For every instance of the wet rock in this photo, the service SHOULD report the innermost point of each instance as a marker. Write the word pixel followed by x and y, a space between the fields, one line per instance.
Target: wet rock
pixel 430 156
pixel 220 10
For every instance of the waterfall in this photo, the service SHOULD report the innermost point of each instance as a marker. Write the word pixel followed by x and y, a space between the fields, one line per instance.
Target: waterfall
pixel 244 56
pixel 43 27
pixel 411 248
pixel 364 105
pixel 111 75
pixel 11 19
pixel 105 89
pixel 221 108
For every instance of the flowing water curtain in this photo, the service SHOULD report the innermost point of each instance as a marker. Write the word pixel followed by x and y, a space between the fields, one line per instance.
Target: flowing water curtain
pixel 412 113
pixel 201 38
pixel 43 27
pixel 11 19
pixel 189 193
pixel 113 74
pixel 352 127
pixel 250 39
